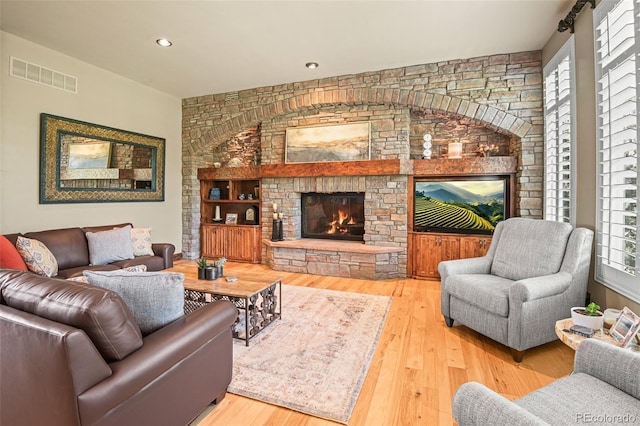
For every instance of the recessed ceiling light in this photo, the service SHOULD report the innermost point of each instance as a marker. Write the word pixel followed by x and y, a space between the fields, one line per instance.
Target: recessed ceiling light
pixel 311 65
pixel 163 42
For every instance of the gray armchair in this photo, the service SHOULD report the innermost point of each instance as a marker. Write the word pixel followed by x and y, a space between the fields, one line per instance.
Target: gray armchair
pixel 604 388
pixel 533 273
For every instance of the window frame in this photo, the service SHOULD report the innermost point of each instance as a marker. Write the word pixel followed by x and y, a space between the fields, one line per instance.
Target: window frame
pixel 567 51
pixel 609 200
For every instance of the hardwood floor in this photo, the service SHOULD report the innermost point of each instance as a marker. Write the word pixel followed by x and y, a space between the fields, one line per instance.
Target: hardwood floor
pixel 418 365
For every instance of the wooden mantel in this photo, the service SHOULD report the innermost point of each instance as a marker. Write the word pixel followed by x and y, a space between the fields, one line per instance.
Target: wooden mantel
pixel 466 166
pixel 338 168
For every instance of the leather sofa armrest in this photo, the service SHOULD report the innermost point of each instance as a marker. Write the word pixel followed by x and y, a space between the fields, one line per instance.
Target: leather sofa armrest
pixel 38 356
pixel 161 351
pixel 165 251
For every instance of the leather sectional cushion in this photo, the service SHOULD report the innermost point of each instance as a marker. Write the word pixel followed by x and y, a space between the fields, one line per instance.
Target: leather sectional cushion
pixel 155 298
pixel 9 256
pixel 100 313
pixel 59 241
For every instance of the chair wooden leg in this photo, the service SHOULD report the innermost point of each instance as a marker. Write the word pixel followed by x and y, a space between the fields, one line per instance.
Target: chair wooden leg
pixel 517 355
pixel 448 321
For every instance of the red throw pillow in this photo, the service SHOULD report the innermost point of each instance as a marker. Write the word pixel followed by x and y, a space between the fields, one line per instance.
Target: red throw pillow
pixel 9 256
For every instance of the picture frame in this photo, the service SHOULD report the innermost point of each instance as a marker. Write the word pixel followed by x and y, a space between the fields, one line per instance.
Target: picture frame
pixel 231 219
pixel 92 155
pixel 337 142
pixel 83 162
pixel 625 327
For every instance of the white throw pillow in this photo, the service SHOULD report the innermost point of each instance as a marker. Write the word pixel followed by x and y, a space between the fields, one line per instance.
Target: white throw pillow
pixel 110 246
pixel 141 241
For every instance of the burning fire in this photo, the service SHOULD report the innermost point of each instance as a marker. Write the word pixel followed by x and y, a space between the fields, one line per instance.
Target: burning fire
pixel 342 219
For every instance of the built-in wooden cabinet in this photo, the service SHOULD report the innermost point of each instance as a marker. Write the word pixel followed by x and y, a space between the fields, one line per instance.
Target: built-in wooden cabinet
pixel 230 213
pixel 427 250
pixel 240 243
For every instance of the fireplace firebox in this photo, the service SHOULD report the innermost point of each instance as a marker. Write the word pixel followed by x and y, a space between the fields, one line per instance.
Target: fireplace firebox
pixel 337 216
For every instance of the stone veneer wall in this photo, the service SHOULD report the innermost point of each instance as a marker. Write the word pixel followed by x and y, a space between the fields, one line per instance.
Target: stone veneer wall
pixel 501 92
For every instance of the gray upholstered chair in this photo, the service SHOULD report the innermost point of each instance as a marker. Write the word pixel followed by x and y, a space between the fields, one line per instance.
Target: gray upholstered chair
pixel 533 273
pixel 604 388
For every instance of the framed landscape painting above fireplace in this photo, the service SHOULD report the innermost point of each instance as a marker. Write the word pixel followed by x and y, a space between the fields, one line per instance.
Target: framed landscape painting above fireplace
pixel 340 142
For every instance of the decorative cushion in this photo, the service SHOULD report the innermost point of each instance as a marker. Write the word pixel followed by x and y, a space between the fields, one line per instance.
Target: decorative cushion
pixel 9 256
pixel 141 241
pixel 154 298
pixel 108 246
pixel 100 313
pixel 138 268
pixel 530 248
pixel 37 256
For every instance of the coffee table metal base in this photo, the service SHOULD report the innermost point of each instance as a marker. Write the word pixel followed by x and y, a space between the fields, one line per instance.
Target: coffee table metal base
pixel 255 312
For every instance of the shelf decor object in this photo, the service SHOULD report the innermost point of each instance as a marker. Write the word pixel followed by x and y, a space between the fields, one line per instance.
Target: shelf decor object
pixel 455 150
pixel 88 163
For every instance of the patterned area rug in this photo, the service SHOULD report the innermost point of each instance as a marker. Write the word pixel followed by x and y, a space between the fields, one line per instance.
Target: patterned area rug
pixel 314 360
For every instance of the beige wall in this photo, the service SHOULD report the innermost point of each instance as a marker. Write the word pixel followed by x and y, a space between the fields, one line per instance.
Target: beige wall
pixel 586 140
pixel 103 98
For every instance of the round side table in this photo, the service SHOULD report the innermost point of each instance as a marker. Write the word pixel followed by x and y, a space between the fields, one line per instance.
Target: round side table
pixel 573 340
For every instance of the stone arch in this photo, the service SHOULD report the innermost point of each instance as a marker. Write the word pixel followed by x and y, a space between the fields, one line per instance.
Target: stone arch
pixel 422 100
pixel 487 115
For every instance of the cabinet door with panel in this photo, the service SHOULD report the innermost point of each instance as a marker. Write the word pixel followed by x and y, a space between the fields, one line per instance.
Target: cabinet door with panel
pixel 430 249
pixel 213 240
pixel 474 246
pixel 242 243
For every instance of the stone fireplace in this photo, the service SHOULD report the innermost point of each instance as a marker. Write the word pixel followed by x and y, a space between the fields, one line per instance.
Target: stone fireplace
pixel 488 100
pixel 334 216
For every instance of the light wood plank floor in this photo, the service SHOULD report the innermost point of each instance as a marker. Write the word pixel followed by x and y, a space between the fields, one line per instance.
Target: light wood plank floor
pixel 418 364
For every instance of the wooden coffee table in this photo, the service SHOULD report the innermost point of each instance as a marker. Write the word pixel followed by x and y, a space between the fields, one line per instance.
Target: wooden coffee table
pixel 258 301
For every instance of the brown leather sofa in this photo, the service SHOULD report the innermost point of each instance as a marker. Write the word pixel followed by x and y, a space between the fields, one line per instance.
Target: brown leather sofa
pixel 71 250
pixel 72 355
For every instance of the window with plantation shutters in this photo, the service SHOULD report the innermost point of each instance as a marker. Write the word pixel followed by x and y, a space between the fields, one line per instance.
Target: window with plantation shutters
pixel 616 51
pixel 559 124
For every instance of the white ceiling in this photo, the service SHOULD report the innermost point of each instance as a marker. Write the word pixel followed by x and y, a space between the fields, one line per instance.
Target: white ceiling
pixel 222 46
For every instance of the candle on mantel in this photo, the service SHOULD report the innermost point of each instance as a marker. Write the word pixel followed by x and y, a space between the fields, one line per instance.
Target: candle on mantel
pixel 455 150
pixel 217 214
pixel 275 207
pixel 280 215
pixel 275 215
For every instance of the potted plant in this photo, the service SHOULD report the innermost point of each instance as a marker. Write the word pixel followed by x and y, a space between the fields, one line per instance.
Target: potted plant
pixel 589 316
pixel 219 263
pixel 202 265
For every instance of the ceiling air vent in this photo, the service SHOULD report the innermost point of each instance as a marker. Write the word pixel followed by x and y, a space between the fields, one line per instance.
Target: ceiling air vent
pixel 39 74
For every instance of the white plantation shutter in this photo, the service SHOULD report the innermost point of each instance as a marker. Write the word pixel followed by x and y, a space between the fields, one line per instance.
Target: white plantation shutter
pixel 616 51
pixel 559 124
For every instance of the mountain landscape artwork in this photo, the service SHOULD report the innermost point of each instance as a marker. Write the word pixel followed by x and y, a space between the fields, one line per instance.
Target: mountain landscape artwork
pixel 342 142
pixel 459 205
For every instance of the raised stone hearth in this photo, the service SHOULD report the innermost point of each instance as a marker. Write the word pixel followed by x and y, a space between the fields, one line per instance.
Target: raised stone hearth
pixel 348 259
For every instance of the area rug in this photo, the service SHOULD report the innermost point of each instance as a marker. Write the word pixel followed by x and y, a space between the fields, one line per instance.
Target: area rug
pixel 315 359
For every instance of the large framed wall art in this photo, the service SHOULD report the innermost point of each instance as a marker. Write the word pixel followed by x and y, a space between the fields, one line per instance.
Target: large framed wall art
pixel 340 142
pixel 89 163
